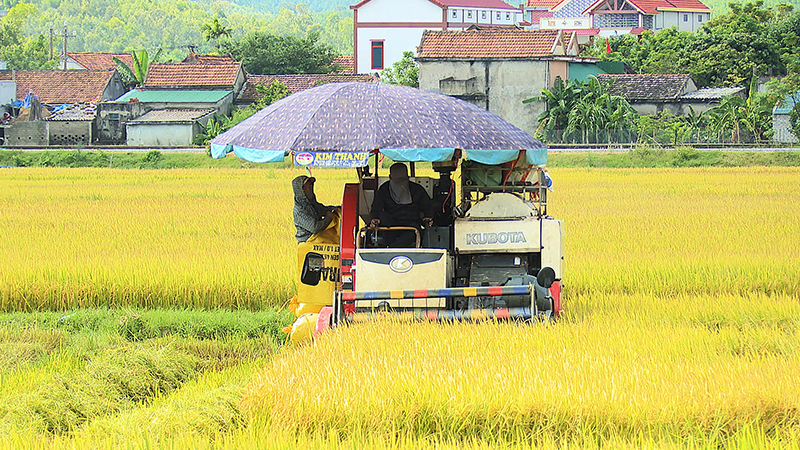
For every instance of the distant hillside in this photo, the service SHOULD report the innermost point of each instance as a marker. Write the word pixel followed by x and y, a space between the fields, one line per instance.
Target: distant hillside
pixel 174 25
pixel 273 6
pixel 721 6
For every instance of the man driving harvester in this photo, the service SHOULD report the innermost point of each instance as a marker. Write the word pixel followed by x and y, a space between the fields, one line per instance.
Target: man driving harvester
pixel 400 203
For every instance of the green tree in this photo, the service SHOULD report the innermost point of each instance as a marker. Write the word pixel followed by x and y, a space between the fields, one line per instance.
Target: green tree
pixel 736 115
pixel 405 71
pixel 559 100
pixel 584 111
pixel 724 52
pixel 267 54
pixel 270 94
pixel 214 30
pixel 694 124
pixel 19 51
pixel 141 62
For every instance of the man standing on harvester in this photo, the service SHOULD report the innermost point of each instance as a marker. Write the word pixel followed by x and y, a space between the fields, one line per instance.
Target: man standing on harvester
pixel 400 203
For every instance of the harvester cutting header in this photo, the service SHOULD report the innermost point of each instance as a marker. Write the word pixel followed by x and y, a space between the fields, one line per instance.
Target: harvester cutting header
pixel 484 247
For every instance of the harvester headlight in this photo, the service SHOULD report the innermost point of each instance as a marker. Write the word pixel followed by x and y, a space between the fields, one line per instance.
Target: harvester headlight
pixel 401 264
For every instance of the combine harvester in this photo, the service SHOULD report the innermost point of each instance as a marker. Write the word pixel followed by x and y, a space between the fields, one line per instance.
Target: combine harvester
pixel 492 252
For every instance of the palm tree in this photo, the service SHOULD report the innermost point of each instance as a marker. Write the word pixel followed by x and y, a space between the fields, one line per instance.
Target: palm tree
pixel 141 62
pixel 214 30
pixel 585 108
pixel 694 122
pixel 560 99
pixel 730 115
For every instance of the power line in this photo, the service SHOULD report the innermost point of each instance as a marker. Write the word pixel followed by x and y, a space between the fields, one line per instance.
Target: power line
pixel 65 34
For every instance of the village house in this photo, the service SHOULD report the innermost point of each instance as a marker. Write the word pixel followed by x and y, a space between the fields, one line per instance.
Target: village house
pixel 175 101
pixel 654 93
pixel 93 60
pixel 613 17
pixel 499 68
pixel 384 29
pixel 69 100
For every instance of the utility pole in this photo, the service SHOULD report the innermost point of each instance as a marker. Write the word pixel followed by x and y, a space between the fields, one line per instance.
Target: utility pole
pixel 65 45
pixel 51 40
pixel 64 34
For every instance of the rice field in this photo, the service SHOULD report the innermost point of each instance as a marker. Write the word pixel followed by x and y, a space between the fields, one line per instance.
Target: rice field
pixel 681 326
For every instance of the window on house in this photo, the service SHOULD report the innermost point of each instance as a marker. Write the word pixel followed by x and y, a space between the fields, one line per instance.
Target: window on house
pixel 455 14
pixel 508 16
pixel 483 15
pixel 685 17
pixel 700 18
pixel 377 55
pixel 498 16
pixel 469 14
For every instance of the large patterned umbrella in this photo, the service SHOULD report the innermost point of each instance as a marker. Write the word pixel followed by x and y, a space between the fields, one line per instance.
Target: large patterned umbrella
pixel 339 124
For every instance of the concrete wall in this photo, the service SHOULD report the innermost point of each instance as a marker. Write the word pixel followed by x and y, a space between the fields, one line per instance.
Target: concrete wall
pixel 161 135
pixel 693 22
pixel 71 132
pixel 676 108
pixel 398 24
pixel 400 12
pixel 699 107
pixel 111 120
pixel 27 134
pixel 463 18
pixel 395 42
pixel 558 69
pixel 8 91
pixel 504 85
pixel 783 129
pixel 650 108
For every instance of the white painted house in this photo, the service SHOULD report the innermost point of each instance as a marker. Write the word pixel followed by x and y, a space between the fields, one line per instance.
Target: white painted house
pixel 384 29
pixel 613 17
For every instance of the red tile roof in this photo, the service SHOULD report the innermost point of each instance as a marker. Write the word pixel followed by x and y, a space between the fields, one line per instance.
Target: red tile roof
pixel 508 43
pixel 295 83
pixel 346 63
pixel 100 61
pixel 194 58
pixel 164 75
pixel 63 86
pixel 495 4
pixel 687 5
pixel 654 6
pixel 542 3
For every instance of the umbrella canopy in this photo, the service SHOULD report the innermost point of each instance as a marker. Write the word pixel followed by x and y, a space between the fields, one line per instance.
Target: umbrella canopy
pixel 339 124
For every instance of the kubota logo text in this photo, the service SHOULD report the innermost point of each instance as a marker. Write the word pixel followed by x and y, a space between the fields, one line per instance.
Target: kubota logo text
pixel 512 237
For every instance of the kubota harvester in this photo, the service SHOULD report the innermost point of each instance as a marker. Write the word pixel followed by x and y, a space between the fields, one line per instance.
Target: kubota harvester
pixel 492 252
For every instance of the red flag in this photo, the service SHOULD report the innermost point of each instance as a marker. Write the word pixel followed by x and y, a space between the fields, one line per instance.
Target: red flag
pixel 608 46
